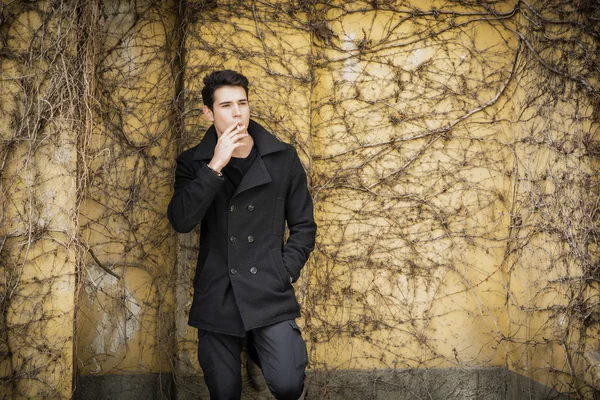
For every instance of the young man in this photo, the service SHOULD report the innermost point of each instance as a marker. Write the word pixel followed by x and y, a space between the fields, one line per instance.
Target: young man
pixel 242 185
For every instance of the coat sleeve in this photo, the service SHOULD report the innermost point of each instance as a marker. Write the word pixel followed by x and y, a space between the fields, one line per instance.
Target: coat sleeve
pixel 300 221
pixel 194 192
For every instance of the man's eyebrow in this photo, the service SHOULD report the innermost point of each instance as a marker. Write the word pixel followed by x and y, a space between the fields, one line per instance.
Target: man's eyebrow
pixel 229 101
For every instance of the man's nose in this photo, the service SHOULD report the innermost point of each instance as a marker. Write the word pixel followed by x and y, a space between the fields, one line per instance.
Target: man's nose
pixel 236 110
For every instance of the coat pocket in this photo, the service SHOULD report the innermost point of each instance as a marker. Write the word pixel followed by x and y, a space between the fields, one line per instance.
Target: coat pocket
pixel 205 272
pixel 283 274
pixel 279 217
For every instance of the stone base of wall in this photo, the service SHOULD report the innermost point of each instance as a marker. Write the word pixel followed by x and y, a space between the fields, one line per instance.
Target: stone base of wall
pixel 126 387
pixel 431 384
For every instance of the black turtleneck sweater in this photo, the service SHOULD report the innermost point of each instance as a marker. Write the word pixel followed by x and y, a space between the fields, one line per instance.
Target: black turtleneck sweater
pixel 235 170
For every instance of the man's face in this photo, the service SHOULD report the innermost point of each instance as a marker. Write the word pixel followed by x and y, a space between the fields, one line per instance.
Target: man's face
pixel 230 107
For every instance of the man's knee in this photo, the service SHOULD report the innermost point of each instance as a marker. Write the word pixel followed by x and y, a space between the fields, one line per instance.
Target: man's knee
pixel 290 389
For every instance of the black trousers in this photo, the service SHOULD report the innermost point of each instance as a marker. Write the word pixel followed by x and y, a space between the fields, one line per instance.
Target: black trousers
pixel 277 349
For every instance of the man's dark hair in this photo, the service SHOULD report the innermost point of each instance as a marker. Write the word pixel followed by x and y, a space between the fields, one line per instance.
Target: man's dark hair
pixel 218 79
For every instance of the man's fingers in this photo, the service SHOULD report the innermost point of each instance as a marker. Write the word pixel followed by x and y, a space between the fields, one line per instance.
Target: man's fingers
pixel 238 136
pixel 233 129
pixel 233 138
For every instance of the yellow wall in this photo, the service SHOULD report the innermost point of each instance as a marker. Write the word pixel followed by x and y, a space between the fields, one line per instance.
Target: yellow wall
pixel 38 200
pixel 405 225
pixel 453 189
pixel 548 260
pixel 125 321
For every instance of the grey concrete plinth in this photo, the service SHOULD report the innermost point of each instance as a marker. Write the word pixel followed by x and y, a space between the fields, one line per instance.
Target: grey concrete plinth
pixel 521 387
pixel 446 384
pixel 125 387
pixel 494 383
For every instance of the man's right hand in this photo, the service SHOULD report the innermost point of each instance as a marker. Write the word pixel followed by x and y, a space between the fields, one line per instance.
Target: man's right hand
pixel 230 140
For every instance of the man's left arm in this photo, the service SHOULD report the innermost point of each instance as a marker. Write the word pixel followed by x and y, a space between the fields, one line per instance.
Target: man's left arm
pixel 300 221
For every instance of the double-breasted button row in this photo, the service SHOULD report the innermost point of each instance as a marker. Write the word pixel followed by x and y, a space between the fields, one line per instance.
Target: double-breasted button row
pixel 233 239
pixel 233 208
pixel 253 271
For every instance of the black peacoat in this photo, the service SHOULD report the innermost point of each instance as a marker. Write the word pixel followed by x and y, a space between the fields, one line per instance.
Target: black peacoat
pixel 242 278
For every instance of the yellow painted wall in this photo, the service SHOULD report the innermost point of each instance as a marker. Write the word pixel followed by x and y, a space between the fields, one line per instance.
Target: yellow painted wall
pixel 38 243
pixel 125 320
pixel 87 158
pixel 407 217
pixel 451 174
pixel 550 301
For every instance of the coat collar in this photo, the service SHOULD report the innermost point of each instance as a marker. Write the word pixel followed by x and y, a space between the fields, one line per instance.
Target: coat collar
pixel 256 175
pixel 264 141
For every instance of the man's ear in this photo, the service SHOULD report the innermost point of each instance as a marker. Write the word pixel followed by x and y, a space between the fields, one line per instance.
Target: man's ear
pixel 209 114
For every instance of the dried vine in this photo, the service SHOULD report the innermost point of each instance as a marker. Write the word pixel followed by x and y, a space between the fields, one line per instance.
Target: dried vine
pixel 452 154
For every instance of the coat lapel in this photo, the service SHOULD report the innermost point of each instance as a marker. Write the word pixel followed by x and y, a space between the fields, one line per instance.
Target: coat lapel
pixel 206 148
pixel 265 143
pixel 257 175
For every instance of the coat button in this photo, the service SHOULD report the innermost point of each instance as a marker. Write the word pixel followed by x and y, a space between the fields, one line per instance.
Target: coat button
pixel 233 271
pixel 232 239
pixel 251 238
pixel 250 207
pixel 232 208
pixel 253 270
